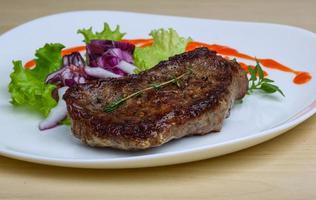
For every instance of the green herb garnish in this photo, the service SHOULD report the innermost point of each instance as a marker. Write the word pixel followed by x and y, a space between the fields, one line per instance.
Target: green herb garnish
pixel 118 102
pixel 257 81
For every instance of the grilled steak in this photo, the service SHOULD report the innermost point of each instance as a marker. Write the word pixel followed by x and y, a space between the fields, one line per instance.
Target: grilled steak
pixel 196 105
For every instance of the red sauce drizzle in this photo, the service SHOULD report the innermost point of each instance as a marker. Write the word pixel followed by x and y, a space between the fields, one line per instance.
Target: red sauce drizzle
pixel 73 49
pixel 300 76
pixel 139 42
pixel 29 64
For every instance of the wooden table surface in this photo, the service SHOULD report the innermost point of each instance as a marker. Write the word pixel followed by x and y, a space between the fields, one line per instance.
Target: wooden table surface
pixel 283 168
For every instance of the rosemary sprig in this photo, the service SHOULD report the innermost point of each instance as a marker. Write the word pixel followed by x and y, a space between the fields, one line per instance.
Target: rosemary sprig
pixel 118 102
pixel 260 82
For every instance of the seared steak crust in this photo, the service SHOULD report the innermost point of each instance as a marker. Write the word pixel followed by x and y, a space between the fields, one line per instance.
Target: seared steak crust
pixel 198 106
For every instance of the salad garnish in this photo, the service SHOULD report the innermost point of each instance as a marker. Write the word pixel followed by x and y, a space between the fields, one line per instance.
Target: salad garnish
pixel 105 34
pixel 257 81
pixel 72 71
pixel 57 114
pixel 108 54
pixel 166 43
pixel 28 87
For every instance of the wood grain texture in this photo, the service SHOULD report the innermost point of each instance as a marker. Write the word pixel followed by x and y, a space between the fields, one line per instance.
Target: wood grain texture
pixel 283 168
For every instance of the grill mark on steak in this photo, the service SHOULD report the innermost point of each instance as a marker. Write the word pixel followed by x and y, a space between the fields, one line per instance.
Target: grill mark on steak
pixel 198 107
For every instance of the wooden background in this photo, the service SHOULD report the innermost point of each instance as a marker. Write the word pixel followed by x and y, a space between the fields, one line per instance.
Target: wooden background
pixel 283 168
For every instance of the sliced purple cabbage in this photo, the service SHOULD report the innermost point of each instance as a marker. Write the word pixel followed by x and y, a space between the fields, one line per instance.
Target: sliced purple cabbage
pixel 108 54
pixel 72 72
pixel 74 59
pixel 106 58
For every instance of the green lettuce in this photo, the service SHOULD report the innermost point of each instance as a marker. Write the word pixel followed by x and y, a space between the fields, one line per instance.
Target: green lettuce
pixel 105 34
pixel 48 59
pixel 166 43
pixel 28 87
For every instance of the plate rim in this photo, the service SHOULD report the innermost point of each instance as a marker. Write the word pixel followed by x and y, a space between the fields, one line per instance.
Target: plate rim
pixel 116 162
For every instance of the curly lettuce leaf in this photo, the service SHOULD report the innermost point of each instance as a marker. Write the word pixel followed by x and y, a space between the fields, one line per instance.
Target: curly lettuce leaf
pixel 28 87
pixel 166 43
pixel 105 34
pixel 48 59
pixel 27 90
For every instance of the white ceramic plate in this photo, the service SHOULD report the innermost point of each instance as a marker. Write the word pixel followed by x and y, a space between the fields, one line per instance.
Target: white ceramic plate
pixel 257 119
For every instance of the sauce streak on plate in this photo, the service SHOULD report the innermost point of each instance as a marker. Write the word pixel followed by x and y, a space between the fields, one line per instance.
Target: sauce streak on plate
pixel 300 76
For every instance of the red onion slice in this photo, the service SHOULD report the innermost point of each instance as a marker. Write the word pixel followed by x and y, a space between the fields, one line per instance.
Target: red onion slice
pixel 55 76
pixel 126 67
pixel 70 73
pixel 57 114
pixel 99 72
